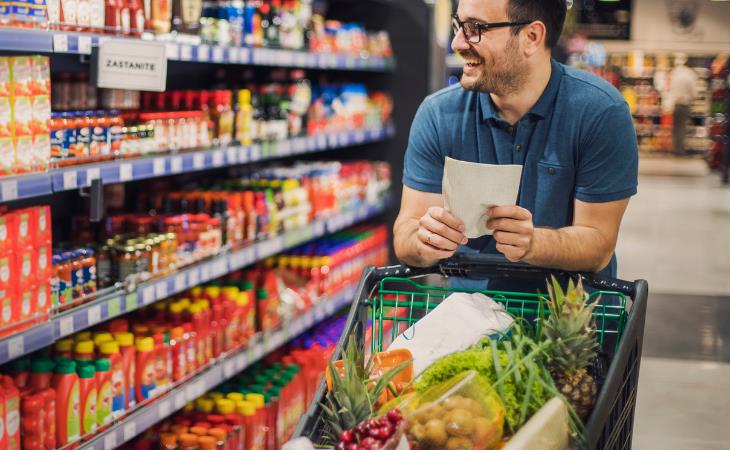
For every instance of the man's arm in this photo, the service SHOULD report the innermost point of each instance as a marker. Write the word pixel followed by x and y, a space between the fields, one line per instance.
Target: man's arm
pixel 587 245
pixel 424 232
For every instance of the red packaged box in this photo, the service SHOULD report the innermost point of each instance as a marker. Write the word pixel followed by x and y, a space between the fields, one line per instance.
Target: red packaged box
pixel 23 228
pixel 7 291
pixel 43 300
pixel 7 235
pixel 25 306
pixel 26 266
pixel 44 267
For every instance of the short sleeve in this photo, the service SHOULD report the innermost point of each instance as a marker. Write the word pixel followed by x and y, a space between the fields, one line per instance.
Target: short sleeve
pixel 423 167
pixel 608 163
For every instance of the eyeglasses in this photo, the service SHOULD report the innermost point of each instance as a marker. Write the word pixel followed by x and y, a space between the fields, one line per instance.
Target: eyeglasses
pixel 473 30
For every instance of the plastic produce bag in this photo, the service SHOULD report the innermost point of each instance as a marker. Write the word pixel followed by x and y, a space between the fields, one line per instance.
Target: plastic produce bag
pixel 436 335
pixel 462 413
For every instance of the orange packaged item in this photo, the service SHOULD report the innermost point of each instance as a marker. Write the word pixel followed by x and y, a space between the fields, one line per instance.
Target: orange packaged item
pixel 177 350
pixel 128 353
pixel 104 392
pixel 66 385
pixel 110 350
pixel 7 290
pixel 11 406
pixel 88 397
pixel 49 399
pixel 145 375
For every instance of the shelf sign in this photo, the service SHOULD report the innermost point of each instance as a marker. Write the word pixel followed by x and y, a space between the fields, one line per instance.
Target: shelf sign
pixel 135 65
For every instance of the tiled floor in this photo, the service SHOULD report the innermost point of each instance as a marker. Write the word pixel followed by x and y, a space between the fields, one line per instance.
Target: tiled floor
pixel 676 234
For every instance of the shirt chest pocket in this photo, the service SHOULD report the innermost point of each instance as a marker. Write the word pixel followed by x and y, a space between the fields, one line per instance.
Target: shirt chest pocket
pixel 554 195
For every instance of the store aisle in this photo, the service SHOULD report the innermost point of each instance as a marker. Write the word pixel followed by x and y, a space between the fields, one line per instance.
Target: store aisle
pixel 676 234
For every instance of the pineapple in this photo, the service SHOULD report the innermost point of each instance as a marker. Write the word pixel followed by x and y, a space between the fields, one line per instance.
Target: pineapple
pixel 354 394
pixel 573 344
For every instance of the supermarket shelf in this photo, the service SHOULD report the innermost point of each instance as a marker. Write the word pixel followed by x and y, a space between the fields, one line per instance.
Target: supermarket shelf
pixel 128 170
pixel 43 41
pixel 121 302
pixel 221 370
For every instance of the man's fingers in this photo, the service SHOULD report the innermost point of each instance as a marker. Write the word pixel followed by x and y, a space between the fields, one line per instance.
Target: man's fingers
pixel 510 225
pixel 510 212
pixel 511 252
pixel 429 252
pixel 441 215
pixel 434 240
pixel 507 238
pixel 442 229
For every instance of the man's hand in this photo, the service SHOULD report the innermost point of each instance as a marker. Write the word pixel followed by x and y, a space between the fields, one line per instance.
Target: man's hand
pixel 440 233
pixel 513 231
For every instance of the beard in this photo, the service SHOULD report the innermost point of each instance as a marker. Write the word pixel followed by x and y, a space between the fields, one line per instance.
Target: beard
pixel 502 75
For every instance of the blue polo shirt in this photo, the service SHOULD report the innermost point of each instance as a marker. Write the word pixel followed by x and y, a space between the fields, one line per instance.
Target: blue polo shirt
pixel 577 142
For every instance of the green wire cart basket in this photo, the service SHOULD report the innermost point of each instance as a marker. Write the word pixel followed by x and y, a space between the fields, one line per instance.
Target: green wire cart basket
pixel 619 318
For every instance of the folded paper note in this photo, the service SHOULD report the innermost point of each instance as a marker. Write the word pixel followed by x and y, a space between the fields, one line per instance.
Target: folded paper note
pixel 470 188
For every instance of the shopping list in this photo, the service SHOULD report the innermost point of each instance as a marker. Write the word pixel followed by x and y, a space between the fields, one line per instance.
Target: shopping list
pixel 470 188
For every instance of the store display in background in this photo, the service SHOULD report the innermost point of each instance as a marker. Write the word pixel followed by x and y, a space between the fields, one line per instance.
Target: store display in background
pixel 25 268
pixel 719 158
pixel 643 79
pixel 289 24
pixel 174 339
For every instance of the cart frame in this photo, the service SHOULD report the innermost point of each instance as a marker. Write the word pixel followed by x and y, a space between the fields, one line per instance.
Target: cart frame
pixel 610 425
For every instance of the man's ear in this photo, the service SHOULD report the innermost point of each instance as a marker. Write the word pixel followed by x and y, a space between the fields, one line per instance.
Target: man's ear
pixel 533 37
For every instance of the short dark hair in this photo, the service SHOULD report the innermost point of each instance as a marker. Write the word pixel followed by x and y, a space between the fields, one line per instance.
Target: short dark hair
pixel 550 12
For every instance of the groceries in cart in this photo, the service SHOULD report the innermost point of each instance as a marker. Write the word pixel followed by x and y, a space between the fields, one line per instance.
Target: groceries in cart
pixel 470 389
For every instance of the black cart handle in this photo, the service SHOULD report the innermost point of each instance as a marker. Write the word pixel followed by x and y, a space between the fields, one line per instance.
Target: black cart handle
pixel 481 266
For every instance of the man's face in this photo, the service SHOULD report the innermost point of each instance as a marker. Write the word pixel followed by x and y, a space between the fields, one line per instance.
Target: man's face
pixel 495 64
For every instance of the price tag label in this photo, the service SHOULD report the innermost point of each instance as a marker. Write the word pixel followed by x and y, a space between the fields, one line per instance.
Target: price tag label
pixel 148 295
pixel 285 148
pixel 321 141
pixel 113 307
pixel 203 53
pixel 60 43
pixel 93 315
pixel 130 431
pixel 92 174
pixel 205 273
pixel 180 282
pixel 218 54
pixel 158 166
pixel 186 52
pixel 359 136
pixel 233 56
pixel 85 45
pixel 198 161
pixel 229 368
pixel 179 400
pixel 161 290
pixel 217 158
pixel 193 278
pixel 176 164
pixel 241 362
pixel 110 440
pixel 319 228
pixel 332 140
pixel 66 325
pixel 9 190
pixel 244 55
pixel 243 154
pixel 172 51
pixel 125 172
pixel 232 155
pixel 163 409
pixel 130 302
pixel 255 152
pixel 70 180
pixel 16 347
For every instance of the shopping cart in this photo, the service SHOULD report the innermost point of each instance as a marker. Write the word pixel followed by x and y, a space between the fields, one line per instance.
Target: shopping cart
pixel 391 299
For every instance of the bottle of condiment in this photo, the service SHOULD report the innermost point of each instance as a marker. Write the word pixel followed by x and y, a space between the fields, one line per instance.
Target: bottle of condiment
pixel 128 354
pixel 104 392
pixel 66 385
pixel 186 16
pixel 88 396
pixel 110 351
pixel 145 375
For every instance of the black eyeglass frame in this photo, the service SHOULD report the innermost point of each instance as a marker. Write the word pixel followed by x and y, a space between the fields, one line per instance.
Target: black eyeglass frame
pixel 481 27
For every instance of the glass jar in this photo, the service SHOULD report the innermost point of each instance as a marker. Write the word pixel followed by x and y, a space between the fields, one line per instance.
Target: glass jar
pixel 143 264
pixel 127 261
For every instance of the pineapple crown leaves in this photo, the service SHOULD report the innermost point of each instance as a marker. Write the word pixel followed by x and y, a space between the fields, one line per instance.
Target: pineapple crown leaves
pixel 570 310
pixel 353 395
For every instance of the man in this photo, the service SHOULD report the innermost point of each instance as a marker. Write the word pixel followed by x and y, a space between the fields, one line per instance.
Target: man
pixel 682 92
pixel 571 131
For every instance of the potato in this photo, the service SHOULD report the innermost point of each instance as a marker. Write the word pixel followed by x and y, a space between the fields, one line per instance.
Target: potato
pixel 417 431
pixel 474 406
pixel 459 422
pixel 453 402
pixel 430 411
pixel 459 443
pixel 435 433
pixel 483 430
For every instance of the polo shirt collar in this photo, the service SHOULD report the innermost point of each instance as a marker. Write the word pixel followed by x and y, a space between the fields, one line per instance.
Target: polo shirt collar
pixel 541 109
